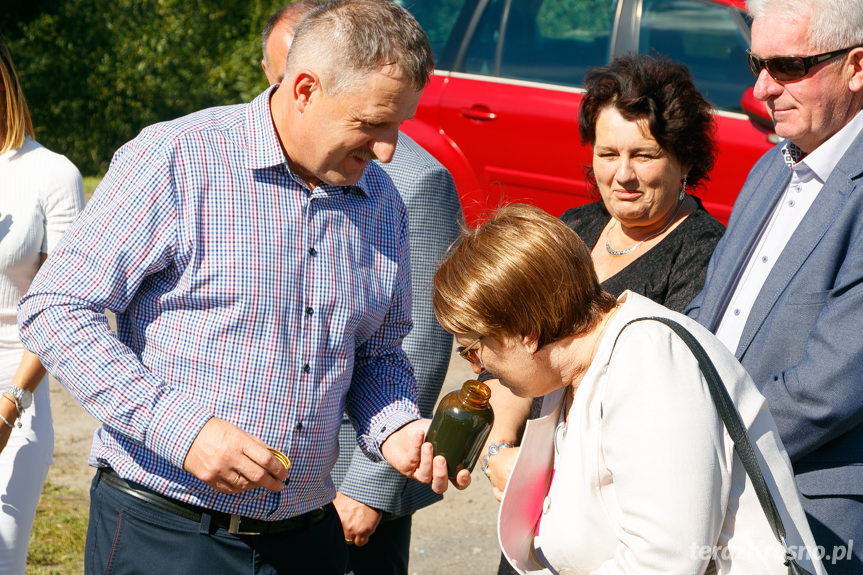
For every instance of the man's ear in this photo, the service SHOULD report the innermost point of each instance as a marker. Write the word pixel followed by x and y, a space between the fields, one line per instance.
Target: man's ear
pixel 306 85
pixel 855 82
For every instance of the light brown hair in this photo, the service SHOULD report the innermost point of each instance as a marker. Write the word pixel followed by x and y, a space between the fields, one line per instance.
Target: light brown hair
pixel 15 122
pixel 521 273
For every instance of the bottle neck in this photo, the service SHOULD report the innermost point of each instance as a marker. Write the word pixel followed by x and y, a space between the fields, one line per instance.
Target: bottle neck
pixel 474 394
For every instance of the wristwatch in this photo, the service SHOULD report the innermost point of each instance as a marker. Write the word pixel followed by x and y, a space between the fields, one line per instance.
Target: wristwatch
pixel 23 397
pixel 493 449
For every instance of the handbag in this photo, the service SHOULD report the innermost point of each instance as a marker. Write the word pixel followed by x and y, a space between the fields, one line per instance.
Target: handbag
pixel 737 431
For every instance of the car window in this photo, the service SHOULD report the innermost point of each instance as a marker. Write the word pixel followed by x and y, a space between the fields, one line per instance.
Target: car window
pixel 710 38
pixel 437 18
pixel 551 41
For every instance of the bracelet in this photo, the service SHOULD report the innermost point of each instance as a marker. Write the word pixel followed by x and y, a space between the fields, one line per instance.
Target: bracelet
pixel 11 399
pixel 6 421
pixel 493 449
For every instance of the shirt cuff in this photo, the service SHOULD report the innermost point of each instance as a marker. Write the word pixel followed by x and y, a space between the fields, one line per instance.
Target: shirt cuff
pixel 175 426
pixel 381 430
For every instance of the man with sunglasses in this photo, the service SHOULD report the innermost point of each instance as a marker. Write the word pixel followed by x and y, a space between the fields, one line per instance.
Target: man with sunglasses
pixel 784 288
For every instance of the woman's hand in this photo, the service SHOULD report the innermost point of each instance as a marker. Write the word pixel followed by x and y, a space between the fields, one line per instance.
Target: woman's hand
pixel 500 468
pixel 9 411
pixel 28 376
pixel 510 415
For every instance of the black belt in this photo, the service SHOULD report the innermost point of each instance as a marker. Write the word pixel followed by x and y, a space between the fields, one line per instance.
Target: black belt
pixel 233 523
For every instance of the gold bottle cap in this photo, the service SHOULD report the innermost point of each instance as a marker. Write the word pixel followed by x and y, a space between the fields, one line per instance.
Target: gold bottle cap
pixel 283 459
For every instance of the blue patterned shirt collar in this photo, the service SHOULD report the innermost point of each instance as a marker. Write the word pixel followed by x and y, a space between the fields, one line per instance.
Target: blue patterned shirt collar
pixel 264 150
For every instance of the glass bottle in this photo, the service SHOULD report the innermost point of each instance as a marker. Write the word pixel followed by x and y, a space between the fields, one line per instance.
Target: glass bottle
pixel 461 425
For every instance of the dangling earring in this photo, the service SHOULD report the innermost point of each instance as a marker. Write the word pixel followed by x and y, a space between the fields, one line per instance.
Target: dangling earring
pixel 682 188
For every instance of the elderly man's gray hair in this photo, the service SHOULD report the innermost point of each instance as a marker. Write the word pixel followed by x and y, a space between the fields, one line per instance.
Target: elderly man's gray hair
pixel 833 24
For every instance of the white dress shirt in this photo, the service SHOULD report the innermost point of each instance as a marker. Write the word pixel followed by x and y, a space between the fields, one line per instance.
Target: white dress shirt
pixel 807 179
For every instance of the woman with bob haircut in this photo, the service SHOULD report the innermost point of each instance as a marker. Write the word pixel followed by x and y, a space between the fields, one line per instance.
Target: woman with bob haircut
pixel 652 135
pixel 633 466
pixel 40 194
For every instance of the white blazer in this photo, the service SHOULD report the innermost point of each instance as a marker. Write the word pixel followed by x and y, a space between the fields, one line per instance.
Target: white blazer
pixel 645 477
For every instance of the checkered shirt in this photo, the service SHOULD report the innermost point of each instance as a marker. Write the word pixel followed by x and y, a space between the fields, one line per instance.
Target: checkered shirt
pixel 239 294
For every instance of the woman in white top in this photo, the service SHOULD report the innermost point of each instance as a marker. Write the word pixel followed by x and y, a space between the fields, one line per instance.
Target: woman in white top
pixel 40 194
pixel 632 471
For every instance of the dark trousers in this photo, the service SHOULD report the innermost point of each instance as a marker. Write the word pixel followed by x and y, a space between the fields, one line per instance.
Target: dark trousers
pixel 127 536
pixel 386 553
pixel 504 568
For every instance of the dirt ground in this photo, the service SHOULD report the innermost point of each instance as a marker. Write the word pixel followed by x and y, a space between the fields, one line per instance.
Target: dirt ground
pixel 454 537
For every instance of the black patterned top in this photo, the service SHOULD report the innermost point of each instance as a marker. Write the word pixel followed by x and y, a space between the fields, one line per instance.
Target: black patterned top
pixel 670 273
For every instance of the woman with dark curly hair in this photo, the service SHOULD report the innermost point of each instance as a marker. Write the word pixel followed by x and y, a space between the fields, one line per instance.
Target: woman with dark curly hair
pixel 652 137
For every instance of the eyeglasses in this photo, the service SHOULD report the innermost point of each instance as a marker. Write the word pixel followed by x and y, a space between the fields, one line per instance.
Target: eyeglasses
pixel 470 352
pixel 790 68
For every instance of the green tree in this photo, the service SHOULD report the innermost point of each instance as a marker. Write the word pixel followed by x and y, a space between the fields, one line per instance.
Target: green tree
pixel 97 71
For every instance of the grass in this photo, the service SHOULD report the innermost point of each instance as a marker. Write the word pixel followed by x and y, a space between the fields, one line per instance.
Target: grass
pixel 90 183
pixel 57 540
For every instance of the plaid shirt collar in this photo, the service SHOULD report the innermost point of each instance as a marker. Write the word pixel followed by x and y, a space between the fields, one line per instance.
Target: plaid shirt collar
pixel 264 149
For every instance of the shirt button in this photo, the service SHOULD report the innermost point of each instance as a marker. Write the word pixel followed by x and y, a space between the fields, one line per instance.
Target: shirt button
pixel 764 259
pixel 299 426
pixel 737 312
pixel 313 252
pixel 546 504
pixel 307 368
pixel 309 310
pixel 791 203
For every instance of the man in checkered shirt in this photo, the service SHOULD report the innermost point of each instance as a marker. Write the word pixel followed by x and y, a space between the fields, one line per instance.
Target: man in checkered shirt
pixel 257 262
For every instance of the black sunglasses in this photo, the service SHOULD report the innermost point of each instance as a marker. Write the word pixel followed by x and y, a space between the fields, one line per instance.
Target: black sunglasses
pixel 790 68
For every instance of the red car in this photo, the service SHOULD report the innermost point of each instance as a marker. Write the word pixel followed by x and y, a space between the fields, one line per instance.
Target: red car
pixel 501 111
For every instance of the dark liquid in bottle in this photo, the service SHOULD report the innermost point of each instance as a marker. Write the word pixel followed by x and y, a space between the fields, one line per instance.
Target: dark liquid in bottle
pixel 461 425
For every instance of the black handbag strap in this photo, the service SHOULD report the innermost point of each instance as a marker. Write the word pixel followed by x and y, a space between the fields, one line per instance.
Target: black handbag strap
pixel 736 429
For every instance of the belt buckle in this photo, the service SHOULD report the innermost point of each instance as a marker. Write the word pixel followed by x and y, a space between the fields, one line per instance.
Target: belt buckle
pixel 234 526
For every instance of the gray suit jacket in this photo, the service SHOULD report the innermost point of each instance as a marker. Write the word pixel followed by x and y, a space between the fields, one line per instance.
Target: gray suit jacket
pixel 434 211
pixel 802 342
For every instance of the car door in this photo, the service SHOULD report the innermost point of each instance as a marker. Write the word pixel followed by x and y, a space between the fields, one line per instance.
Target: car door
pixel 511 104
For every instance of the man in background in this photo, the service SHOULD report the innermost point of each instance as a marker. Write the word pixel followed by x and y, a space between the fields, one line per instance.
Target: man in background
pixel 280 27
pixel 784 288
pixel 375 502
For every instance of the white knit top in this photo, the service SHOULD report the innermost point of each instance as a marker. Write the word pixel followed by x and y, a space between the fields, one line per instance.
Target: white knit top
pixel 41 193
